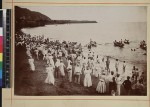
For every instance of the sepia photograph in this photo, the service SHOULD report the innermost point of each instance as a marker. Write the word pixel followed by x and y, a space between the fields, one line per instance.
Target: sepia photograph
pixel 80 51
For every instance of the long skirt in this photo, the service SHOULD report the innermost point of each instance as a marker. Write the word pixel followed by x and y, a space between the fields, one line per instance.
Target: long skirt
pixel 101 87
pixel 87 80
pixel 32 66
pixel 50 78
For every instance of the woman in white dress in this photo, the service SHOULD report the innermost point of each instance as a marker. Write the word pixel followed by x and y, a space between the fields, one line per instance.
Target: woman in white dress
pixel 87 78
pixel 69 69
pixel 101 86
pixel 31 63
pixel 61 68
pixel 97 70
pixel 50 76
pixel 119 82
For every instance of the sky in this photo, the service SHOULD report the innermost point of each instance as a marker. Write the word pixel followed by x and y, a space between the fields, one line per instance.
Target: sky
pixel 97 13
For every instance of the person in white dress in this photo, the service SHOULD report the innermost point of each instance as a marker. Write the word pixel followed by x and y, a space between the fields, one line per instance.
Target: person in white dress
pixel 61 68
pixel 101 86
pixel 87 78
pixel 50 75
pixel 69 69
pixel 31 63
pixel 49 58
pixel 119 82
pixel 97 71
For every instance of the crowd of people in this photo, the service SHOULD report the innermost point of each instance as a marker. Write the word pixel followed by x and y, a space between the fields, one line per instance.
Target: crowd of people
pixel 69 60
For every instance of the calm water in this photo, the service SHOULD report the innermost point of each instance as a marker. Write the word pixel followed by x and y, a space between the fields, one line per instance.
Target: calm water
pixel 104 34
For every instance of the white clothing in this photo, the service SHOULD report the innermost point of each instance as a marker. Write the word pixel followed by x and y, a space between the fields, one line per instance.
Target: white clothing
pixel 87 78
pixel 50 77
pixel 101 87
pixel 31 63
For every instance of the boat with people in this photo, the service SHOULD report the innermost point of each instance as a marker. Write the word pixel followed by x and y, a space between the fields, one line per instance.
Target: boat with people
pixel 92 44
pixel 126 41
pixel 143 45
pixel 119 44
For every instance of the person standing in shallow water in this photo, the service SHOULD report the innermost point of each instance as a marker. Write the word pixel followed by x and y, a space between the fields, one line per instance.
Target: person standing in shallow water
pixel 124 66
pixel 107 65
pixel 117 66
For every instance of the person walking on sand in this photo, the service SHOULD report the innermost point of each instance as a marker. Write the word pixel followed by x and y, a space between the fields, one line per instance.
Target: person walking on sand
pixel 102 65
pixel 118 81
pixel 107 65
pixel 87 78
pixel 77 73
pixel 110 80
pixel 31 63
pixel 101 86
pixel 97 70
pixel 117 66
pixel 113 86
pixel 69 69
pixel 127 85
pixel 50 77
pixel 57 70
pixel 124 66
pixel 61 68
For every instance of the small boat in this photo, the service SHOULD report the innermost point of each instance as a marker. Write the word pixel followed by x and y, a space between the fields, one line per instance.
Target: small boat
pixel 118 44
pixel 93 43
pixel 143 45
pixel 126 41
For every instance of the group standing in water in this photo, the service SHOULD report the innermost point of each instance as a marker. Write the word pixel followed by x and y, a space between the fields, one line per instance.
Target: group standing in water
pixel 68 60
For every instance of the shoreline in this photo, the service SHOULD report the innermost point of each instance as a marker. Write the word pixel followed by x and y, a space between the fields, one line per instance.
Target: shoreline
pixel 24 76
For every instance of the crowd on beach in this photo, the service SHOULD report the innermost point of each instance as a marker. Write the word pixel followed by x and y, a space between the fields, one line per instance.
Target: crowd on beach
pixel 68 60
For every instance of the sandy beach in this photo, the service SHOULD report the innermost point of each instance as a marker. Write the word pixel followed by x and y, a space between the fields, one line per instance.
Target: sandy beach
pixel 33 81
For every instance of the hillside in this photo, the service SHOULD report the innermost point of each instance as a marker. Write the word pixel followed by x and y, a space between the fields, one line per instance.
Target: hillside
pixel 25 18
